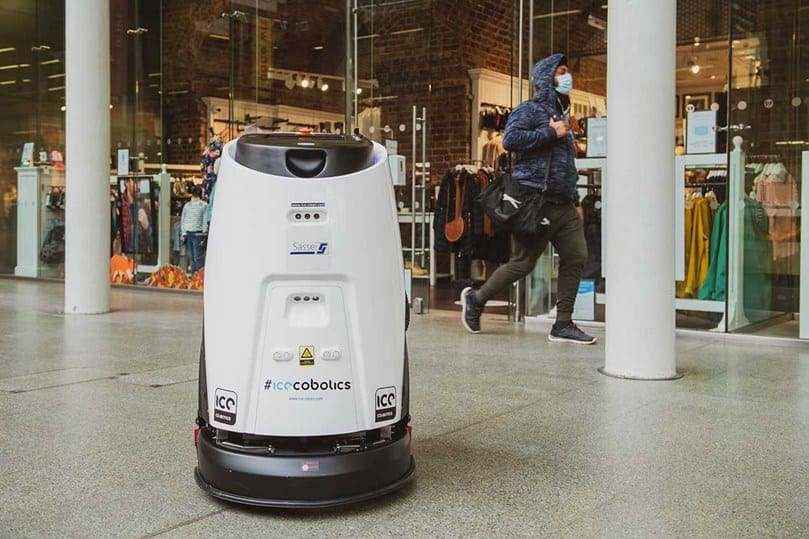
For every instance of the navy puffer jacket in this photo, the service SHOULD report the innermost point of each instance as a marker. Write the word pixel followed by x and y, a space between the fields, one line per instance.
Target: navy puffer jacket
pixel 534 142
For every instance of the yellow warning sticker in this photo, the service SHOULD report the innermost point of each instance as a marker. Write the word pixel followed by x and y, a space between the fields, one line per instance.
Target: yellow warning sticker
pixel 306 355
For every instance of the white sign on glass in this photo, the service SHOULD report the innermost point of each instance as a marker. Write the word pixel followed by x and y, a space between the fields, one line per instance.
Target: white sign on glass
pixel 596 137
pixel 700 133
pixel 27 154
pixel 123 162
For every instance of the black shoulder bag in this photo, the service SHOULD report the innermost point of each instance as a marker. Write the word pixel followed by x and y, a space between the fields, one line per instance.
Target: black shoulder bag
pixel 513 206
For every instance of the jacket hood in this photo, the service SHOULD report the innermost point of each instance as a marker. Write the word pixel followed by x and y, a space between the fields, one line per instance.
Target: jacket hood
pixel 544 71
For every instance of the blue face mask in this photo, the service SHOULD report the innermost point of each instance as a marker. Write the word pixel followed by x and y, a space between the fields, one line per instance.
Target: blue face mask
pixel 564 83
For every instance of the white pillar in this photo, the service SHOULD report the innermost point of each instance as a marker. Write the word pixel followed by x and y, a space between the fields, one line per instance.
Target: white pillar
pixel 87 219
pixel 640 316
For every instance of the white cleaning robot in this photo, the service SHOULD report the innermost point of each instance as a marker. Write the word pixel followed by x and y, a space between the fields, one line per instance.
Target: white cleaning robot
pixel 303 387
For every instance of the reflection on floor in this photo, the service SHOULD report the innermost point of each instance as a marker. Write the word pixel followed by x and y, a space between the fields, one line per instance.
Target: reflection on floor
pixel 789 329
pixel 444 296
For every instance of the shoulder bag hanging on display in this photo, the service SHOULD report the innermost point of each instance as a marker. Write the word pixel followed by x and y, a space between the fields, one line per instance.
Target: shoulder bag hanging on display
pixel 454 229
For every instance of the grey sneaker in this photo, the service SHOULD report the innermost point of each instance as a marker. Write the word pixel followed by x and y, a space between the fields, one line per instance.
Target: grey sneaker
pixel 571 333
pixel 471 310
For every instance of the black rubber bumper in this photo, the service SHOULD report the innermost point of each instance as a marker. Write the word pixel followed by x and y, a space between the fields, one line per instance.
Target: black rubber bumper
pixel 302 481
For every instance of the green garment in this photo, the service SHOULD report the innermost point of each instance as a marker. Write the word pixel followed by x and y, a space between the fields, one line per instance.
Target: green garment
pixel 757 257
pixel 715 284
pixel 757 261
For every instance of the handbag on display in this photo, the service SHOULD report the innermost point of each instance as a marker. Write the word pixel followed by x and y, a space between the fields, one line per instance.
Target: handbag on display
pixel 454 229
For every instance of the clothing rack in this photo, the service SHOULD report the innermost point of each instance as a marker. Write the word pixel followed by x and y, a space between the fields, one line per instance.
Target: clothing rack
pixel 705 184
pixel 494 105
pixel 764 157
pixel 375 99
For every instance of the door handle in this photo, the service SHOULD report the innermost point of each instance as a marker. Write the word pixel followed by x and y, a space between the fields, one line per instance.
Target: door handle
pixel 733 128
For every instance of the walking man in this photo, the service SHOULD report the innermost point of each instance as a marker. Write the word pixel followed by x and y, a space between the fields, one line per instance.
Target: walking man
pixel 538 133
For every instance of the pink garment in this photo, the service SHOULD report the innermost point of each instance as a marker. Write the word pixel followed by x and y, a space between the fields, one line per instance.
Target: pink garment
pixel 779 198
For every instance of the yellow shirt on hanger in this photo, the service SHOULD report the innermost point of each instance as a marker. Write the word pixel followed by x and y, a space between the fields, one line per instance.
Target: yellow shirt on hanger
pixel 688 221
pixel 699 249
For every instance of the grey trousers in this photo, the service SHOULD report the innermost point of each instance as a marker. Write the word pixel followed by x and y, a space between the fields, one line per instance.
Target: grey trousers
pixel 566 234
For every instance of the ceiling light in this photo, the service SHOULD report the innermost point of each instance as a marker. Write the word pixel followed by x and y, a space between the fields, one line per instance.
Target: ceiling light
pixel 64 108
pixel 48 62
pixel 305 83
pixel 324 86
pixel 359 91
pixel 693 65
pixel 319 48
pixel 7 49
pixel 7 82
pixel 56 76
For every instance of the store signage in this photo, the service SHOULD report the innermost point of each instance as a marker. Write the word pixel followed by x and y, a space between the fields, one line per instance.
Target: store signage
pixel 27 154
pixel 123 162
pixel 584 307
pixel 700 133
pixel 596 137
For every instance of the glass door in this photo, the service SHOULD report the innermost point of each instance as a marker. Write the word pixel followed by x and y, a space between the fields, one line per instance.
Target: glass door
pixel 577 30
pixel 390 103
pixel 768 92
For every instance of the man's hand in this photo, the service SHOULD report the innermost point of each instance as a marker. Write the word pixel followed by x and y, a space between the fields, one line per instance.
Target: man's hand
pixel 580 211
pixel 561 127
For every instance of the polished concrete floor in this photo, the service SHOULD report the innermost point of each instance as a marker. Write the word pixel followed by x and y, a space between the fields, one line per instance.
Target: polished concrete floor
pixel 512 435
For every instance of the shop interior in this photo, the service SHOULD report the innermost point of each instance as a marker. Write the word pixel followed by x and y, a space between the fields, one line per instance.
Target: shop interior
pixel 274 65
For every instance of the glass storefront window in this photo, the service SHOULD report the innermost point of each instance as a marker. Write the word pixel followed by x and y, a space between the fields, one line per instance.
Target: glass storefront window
pixel 31 101
pixel 188 77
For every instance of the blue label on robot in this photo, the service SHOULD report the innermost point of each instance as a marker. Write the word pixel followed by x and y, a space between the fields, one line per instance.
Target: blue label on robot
pixel 315 248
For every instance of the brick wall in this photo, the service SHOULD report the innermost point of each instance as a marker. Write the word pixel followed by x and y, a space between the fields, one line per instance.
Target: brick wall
pixel 194 65
pixel 421 55
pixel 429 68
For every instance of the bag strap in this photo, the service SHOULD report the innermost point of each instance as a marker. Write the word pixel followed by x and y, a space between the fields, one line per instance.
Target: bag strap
pixel 458 199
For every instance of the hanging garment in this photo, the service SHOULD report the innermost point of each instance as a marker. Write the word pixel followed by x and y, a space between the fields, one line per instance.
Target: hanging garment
pixel 778 194
pixel 491 152
pixel 756 280
pixel 688 224
pixel 445 210
pixel 699 248
pixel 489 242
pixel 757 260
pixel 715 282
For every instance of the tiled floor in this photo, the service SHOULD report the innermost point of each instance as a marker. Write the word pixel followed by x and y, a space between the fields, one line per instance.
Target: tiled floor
pixel 513 435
